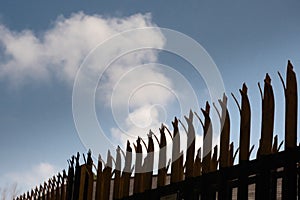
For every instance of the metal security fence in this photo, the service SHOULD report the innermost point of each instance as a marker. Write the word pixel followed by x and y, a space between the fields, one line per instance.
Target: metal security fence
pixel 273 174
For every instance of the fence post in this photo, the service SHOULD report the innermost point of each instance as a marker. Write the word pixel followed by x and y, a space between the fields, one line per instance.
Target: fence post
pixel 162 170
pixel 245 124
pixel 89 178
pixel 76 179
pixel 106 178
pixel 138 167
pixel 206 192
pixel 63 186
pixel 58 188
pixel 117 179
pixel 267 121
pixel 47 185
pixel 263 178
pixel 127 171
pixel 148 164
pixel 177 157
pixel 43 192
pixel 70 180
pixel 225 132
pixel 289 186
pixel 99 178
pixel 52 182
pixel 207 139
pixel 224 146
pixel 190 152
pixel 275 150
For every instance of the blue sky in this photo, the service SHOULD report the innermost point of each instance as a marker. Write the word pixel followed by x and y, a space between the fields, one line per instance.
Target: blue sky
pixel 38 134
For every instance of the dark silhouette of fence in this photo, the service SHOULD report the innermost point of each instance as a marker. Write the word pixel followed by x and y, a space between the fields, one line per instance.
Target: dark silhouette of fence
pixel 273 174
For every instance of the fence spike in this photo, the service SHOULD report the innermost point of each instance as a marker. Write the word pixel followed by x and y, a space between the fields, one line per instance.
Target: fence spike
pixel 99 177
pixel 127 170
pixel 190 152
pixel 244 125
pixel 207 139
pixel 117 180
pixel 291 108
pixel 162 170
pixel 148 164
pixel 267 122
pixel 245 121
pixel 225 132
pixel 289 186
pixel 137 187
pixel 177 157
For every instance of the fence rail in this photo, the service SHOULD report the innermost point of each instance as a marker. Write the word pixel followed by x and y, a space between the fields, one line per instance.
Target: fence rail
pixel 273 174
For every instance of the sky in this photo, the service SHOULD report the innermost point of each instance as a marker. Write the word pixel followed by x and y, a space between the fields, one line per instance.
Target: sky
pixel 43 45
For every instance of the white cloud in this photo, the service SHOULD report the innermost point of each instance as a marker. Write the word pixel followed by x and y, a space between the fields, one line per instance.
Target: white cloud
pixel 127 84
pixel 33 177
pixel 60 50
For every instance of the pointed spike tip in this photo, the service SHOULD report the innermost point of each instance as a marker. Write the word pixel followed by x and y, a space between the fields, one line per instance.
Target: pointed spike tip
pixel 207 106
pixel 244 88
pixel 225 98
pixel 268 79
pixel 290 65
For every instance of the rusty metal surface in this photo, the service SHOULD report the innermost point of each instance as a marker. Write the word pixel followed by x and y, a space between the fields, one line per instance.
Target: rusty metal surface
pixel 225 133
pixel 245 125
pixel 190 152
pixel 207 140
pixel 162 168
pixel 267 122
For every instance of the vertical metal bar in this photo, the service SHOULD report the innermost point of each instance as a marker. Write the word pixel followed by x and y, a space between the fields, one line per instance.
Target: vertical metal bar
pixel 267 122
pixel 162 170
pixel 206 192
pixel 148 163
pixel 245 121
pixel 190 152
pixel 224 147
pixel 77 178
pixel 99 178
pixel 63 186
pixel 117 179
pixel 127 171
pixel 58 187
pixel 245 125
pixel 70 180
pixel 291 110
pixel 225 133
pixel 177 157
pixel 138 167
pixel 89 178
pixel 263 178
pixel 207 140
pixel 106 178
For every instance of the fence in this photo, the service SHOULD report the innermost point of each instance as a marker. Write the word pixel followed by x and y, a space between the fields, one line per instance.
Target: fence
pixel 273 174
